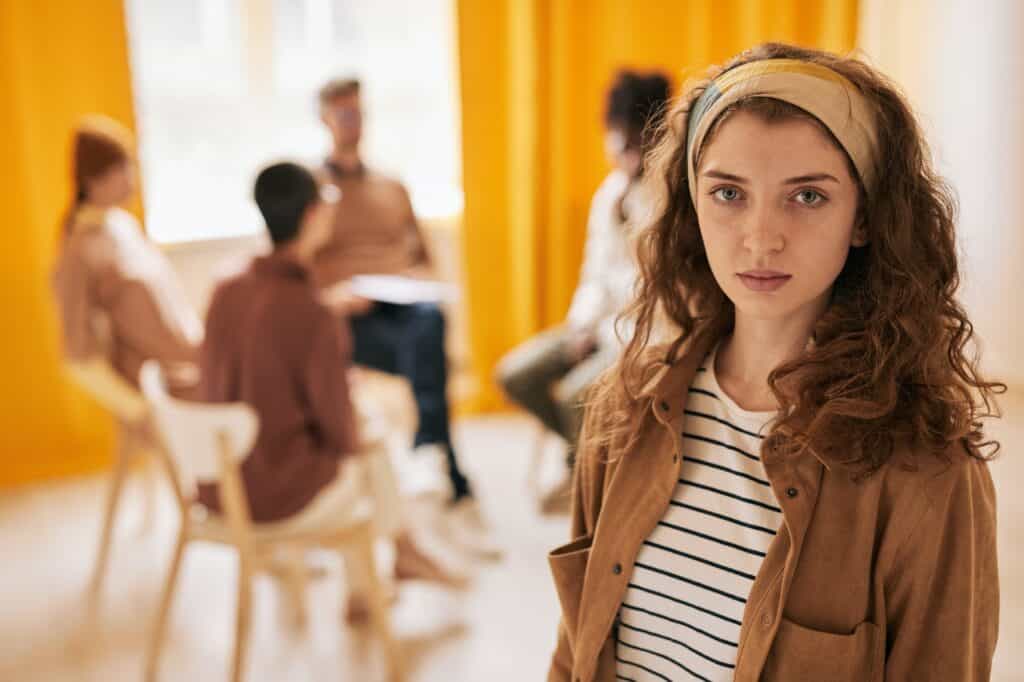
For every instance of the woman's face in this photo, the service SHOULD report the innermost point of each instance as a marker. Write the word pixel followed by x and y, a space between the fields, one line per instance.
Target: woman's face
pixel 777 207
pixel 622 154
pixel 114 186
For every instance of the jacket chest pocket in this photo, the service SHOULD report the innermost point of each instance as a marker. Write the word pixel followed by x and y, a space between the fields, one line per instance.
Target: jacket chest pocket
pixel 568 567
pixel 800 653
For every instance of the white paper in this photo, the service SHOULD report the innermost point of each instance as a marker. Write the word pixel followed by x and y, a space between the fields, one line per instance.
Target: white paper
pixel 402 290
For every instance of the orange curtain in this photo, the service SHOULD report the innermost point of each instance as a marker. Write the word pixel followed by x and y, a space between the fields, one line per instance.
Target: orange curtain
pixel 58 61
pixel 533 76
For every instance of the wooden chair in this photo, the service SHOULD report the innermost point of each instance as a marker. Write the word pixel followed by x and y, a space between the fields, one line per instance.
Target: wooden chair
pixel 206 442
pixel 538 453
pixel 134 444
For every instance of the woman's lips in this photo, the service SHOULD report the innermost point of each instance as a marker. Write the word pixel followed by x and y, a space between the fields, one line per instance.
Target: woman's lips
pixel 763 280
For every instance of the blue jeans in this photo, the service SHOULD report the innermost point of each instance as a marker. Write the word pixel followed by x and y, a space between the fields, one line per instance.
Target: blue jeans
pixel 408 341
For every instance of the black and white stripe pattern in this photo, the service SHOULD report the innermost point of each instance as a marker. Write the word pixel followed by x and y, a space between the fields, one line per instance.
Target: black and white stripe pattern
pixel 680 618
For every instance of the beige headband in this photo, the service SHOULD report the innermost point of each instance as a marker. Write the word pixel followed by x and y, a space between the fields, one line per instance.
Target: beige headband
pixel 817 89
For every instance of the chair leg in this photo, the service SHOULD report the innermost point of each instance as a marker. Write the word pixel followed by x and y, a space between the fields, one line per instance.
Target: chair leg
pixel 110 516
pixel 149 493
pixel 379 613
pixel 536 460
pixel 160 627
pixel 295 579
pixel 243 617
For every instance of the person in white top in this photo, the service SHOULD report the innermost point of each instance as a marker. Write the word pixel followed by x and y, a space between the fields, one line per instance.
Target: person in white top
pixel 549 374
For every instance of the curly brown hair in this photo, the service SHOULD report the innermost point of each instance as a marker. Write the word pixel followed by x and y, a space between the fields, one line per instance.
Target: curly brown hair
pixel 892 361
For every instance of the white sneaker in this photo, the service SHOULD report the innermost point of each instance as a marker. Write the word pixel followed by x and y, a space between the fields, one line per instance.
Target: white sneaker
pixel 423 474
pixel 557 499
pixel 467 529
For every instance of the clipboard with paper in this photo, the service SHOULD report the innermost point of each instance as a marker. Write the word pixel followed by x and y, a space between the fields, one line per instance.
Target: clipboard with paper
pixel 402 290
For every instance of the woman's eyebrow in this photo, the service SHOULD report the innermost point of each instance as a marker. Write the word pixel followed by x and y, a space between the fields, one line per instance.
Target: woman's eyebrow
pixel 811 177
pixel 798 180
pixel 724 176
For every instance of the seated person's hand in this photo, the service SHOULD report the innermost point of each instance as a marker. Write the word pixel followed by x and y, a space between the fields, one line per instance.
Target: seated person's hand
pixel 183 380
pixel 340 299
pixel 580 346
pixel 181 373
pixel 424 272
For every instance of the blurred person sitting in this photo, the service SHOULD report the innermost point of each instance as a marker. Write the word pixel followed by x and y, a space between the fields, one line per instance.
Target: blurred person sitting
pixel 376 232
pixel 119 299
pixel 549 374
pixel 273 345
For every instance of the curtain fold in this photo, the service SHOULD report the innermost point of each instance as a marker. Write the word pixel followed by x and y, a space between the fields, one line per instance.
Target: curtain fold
pixel 58 61
pixel 533 76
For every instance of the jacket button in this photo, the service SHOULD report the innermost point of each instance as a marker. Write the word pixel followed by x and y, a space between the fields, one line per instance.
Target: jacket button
pixel 617 569
pixel 664 406
pixel 792 492
pixel 766 620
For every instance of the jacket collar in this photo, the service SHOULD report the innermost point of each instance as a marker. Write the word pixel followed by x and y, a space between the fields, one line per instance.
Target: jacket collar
pixel 667 387
pixel 280 264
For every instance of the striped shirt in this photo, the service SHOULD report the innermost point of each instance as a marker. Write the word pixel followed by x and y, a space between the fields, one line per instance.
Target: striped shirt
pixel 680 618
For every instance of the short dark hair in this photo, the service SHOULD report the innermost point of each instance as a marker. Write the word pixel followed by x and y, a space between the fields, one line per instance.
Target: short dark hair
pixel 338 87
pixel 283 192
pixel 636 101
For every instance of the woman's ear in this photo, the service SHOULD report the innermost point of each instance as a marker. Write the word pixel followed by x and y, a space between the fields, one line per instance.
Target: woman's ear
pixel 860 234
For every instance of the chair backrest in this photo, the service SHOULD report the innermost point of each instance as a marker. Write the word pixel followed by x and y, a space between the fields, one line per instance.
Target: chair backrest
pixel 102 382
pixel 195 434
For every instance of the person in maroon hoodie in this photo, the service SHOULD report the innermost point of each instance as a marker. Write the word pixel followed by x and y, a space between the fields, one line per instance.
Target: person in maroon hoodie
pixel 271 344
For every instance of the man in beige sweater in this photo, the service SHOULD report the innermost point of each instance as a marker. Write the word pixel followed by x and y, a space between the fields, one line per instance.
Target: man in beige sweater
pixel 375 232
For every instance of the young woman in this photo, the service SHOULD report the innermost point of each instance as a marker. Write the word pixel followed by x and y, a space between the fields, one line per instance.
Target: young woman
pixel 794 486
pixel 549 374
pixel 119 298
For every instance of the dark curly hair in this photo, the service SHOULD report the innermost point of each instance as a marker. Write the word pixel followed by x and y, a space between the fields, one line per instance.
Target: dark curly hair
pixel 635 103
pixel 892 362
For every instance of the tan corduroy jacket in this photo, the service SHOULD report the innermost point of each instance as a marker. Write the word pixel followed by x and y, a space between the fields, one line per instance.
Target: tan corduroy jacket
pixel 893 578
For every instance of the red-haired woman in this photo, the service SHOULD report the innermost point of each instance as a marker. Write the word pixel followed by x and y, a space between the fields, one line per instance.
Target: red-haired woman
pixel 118 296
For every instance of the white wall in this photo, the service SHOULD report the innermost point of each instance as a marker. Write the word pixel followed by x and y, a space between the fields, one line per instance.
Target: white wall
pixel 962 64
pixel 200 265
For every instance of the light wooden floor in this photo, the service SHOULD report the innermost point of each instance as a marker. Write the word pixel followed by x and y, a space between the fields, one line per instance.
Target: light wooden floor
pixel 502 629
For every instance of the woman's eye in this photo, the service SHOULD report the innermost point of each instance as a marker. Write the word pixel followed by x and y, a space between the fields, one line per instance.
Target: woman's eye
pixel 810 197
pixel 726 194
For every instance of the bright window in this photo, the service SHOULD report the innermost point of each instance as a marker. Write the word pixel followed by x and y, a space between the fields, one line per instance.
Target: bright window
pixel 223 87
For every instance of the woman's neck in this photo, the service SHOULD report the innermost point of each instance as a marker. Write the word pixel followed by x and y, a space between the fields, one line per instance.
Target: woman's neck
pixel 754 349
pixel 87 215
pixel 97 206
